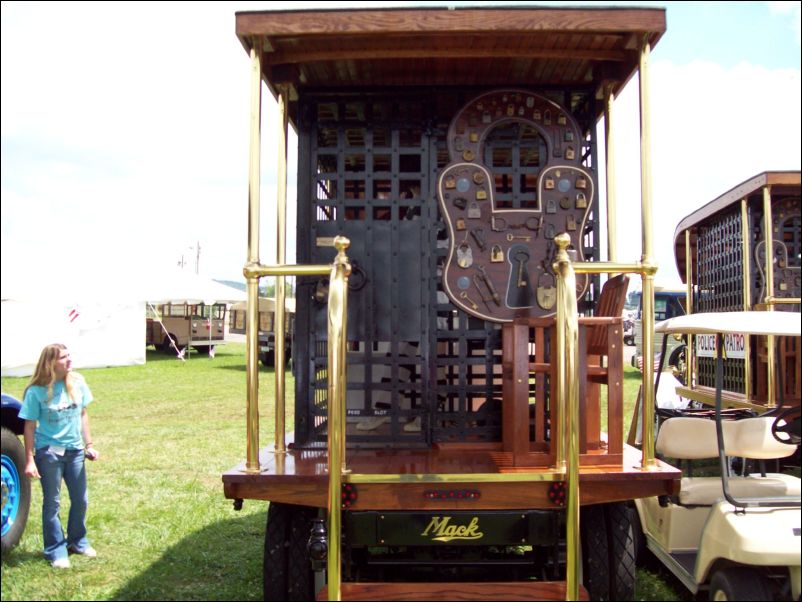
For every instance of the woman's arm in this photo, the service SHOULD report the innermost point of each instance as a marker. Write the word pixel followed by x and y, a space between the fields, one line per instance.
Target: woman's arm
pixel 89 449
pixel 30 463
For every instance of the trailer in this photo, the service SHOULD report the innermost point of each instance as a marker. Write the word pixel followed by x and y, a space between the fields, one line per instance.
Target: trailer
pixel 456 350
pixel 721 256
pixel 267 322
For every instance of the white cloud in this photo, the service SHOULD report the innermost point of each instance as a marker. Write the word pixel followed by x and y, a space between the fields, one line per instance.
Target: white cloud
pixel 792 8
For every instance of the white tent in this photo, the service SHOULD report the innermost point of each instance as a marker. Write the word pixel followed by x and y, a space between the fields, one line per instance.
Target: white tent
pixel 103 327
pixel 100 317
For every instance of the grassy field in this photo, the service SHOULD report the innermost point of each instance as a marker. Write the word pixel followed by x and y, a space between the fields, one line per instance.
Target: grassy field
pixel 157 516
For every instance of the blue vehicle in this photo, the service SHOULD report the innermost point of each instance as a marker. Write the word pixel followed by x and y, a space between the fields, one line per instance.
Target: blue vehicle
pixel 16 486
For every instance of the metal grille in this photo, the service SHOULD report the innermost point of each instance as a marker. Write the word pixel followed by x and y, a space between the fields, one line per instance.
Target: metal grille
pixel 419 370
pixel 720 268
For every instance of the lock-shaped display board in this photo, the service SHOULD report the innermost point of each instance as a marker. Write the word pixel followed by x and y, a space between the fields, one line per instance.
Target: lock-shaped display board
pixel 504 249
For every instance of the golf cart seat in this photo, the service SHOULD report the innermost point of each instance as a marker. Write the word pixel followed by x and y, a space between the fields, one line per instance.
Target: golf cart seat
pixel 687 438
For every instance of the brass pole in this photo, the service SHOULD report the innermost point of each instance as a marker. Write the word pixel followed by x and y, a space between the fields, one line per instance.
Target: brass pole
pixel 689 350
pixel 252 325
pixel 612 217
pixel 771 394
pixel 649 462
pixel 281 251
pixel 338 329
pixel 746 252
pixel 568 332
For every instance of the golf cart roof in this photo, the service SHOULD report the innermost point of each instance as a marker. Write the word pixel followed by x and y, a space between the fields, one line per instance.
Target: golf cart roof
pixel 780 323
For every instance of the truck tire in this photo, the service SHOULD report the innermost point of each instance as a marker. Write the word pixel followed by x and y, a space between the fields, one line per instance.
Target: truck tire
pixel 608 552
pixel 16 491
pixel 287 570
pixel 268 358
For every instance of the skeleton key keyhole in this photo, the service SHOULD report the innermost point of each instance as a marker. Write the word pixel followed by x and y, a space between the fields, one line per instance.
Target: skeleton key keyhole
pixel 519 289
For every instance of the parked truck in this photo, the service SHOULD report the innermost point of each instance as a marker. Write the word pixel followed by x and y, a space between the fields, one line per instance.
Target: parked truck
pixel 447 439
pixel 173 327
pixel 267 318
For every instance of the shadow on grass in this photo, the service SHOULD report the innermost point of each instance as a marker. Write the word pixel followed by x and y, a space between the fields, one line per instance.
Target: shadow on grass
pixel 220 562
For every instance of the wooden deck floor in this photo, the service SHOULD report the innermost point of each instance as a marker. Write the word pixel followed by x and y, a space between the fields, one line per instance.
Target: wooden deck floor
pixel 404 479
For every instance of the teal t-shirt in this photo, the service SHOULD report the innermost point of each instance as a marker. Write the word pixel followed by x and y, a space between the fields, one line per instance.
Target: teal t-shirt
pixel 59 418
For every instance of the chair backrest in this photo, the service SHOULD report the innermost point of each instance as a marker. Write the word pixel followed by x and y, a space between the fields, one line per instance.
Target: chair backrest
pixel 691 438
pixel 610 305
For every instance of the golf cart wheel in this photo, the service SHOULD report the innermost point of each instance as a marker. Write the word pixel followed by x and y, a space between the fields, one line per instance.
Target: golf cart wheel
pixel 739 583
pixel 16 488
pixel 287 569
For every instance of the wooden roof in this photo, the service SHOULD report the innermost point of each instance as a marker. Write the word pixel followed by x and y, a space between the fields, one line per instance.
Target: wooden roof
pixel 498 46
pixel 783 184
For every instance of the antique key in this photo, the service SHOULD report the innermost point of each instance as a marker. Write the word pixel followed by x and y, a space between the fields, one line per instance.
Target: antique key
pixel 521 257
pixel 464 295
pixel 525 237
pixel 479 236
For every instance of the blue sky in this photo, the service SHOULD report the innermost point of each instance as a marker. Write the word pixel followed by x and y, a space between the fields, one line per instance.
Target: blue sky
pixel 125 146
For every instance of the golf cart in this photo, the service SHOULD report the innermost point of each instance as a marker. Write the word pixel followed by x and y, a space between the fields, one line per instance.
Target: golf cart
pixel 735 535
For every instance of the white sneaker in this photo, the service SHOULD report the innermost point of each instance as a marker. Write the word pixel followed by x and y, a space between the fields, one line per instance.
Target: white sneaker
pixel 60 563
pixel 372 423
pixel 88 551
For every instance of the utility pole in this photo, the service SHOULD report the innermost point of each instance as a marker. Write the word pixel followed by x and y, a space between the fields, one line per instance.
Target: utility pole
pixel 197 257
pixel 181 262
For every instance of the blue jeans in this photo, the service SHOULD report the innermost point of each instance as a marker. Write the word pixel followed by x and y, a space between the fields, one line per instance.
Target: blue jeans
pixel 52 468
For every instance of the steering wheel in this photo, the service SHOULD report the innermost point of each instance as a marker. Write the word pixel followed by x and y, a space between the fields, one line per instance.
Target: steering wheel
pixel 787 425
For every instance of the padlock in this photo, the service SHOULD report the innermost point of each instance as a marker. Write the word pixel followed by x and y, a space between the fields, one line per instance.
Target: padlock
pixel 460 126
pixel 569 153
pixel 565 203
pixel 473 137
pixel 551 206
pixel 450 182
pixel 521 111
pixel 569 136
pixel 459 146
pixel 536 115
pixel 510 110
pixel 547 117
pixel 581 182
pixel 581 200
pixel 478 177
pixel 481 194
pixel 468 155
pixel 570 222
pixel 549 183
pixel 548 232
pixel 561 120
pixel 461 224
pixel 474 211
pixel 464 255
pixel 496 254
pixel 486 117
pixel 530 101
pixel 546 295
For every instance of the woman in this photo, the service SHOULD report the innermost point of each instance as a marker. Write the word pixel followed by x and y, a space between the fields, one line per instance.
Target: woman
pixel 57 439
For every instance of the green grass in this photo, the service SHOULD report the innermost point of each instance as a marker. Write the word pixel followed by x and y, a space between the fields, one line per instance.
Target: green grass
pixel 157 516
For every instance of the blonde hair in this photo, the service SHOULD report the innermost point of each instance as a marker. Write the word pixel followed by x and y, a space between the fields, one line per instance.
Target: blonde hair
pixel 45 374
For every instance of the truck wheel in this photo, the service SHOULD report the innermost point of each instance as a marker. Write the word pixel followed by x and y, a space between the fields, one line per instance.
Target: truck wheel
pixel 739 583
pixel 268 358
pixel 16 491
pixel 287 573
pixel 167 347
pixel 608 552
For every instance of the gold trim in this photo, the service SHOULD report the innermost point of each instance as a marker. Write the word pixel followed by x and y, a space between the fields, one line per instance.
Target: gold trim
pixel 281 293
pixel 746 252
pixel 609 154
pixel 488 477
pixel 257 270
pixel 252 326
pixel 338 330
pixel 649 462
pixel 603 267
pixel 689 348
pixel 568 403
pixel 771 393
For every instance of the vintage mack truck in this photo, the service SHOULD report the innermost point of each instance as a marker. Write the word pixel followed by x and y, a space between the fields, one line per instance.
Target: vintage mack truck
pixel 458 349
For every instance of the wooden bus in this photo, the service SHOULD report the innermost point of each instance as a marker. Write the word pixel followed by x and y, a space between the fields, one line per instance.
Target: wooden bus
pixel 721 254
pixel 454 332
